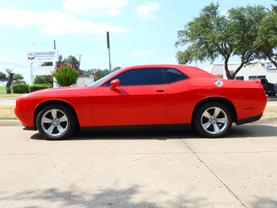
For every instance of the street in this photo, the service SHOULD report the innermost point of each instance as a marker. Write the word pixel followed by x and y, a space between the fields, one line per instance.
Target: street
pixel 138 167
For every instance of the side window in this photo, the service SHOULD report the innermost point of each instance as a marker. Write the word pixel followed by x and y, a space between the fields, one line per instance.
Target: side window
pixel 140 77
pixel 173 75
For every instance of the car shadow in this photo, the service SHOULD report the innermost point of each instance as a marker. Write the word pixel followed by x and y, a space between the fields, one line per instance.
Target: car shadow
pixel 164 133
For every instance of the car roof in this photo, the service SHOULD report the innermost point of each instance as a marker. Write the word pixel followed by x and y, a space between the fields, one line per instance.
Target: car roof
pixel 190 71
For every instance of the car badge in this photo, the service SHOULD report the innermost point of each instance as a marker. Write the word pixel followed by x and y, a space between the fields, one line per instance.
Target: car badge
pixel 218 83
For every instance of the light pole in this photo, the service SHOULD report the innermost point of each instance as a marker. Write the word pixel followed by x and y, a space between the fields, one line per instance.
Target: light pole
pixel 109 51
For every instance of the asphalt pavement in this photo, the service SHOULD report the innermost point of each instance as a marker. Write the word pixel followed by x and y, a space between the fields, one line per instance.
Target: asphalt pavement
pixel 139 167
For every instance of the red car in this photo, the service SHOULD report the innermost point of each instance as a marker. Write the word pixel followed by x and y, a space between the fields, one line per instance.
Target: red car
pixel 145 95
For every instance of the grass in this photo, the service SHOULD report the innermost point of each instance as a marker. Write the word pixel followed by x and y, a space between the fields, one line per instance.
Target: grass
pixel 4 95
pixel 6 112
pixel 2 90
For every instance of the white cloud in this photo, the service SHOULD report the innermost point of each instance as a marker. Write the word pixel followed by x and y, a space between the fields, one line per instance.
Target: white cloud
pixel 54 22
pixel 147 10
pixel 95 7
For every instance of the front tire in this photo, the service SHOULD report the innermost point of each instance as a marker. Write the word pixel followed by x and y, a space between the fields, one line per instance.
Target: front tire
pixel 55 121
pixel 212 120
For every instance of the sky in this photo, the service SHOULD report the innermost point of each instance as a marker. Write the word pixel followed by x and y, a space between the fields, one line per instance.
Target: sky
pixel 142 32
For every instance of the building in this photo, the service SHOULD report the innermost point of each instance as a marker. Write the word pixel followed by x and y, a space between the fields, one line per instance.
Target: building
pixel 254 70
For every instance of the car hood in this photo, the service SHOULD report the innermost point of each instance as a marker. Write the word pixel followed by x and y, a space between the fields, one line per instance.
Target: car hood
pixel 60 92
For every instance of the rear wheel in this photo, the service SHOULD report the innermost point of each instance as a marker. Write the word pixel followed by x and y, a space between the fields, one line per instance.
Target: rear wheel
pixel 55 121
pixel 212 120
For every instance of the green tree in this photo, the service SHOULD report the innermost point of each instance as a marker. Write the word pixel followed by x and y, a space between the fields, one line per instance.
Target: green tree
pixel 212 35
pixel 44 79
pixel 3 77
pixel 266 42
pixel 18 79
pixel 98 74
pixel 65 75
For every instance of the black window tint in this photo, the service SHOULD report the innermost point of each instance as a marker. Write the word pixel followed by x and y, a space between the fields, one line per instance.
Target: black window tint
pixel 173 75
pixel 141 77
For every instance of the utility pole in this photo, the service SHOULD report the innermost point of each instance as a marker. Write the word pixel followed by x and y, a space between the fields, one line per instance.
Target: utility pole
pixel 54 44
pixel 109 51
pixel 80 56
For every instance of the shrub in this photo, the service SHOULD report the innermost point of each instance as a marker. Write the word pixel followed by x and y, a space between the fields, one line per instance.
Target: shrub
pixel 66 75
pixel 20 88
pixel 36 87
pixel 44 79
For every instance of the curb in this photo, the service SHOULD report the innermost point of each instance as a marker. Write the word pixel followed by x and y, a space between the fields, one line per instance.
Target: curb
pixel 11 122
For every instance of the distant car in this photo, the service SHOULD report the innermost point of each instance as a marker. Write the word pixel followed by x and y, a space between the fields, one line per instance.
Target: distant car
pixel 269 88
pixel 145 95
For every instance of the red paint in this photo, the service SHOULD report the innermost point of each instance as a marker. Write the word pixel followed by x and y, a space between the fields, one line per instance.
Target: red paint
pixel 149 104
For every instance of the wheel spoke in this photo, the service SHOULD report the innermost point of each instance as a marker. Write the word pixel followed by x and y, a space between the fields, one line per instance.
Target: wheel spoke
pixel 222 120
pixel 60 128
pixel 54 113
pixel 50 129
pixel 216 128
pixel 206 125
pixel 216 112
pixel 63 118
pixel 206 114
pixel 46 120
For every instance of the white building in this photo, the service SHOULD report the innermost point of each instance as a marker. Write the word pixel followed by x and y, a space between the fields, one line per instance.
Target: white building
pixel 254 70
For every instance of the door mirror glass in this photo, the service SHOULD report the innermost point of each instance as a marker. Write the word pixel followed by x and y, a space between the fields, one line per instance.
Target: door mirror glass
pixel 115 84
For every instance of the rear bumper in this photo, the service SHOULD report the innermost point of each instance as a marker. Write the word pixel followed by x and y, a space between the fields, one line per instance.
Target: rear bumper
pixel 249 119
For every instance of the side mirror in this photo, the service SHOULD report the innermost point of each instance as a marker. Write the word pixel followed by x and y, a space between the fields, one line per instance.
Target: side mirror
pixel 115 84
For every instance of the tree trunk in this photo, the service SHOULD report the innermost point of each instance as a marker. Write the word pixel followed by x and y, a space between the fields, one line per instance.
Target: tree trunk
pixel 272 61
pixel 237 70
pixel 226 68
pixel 9 83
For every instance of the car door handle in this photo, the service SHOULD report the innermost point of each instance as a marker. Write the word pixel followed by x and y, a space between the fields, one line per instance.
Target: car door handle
pixel 160 90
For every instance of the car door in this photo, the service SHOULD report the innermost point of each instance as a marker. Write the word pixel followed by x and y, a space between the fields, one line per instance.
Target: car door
pixel 140 99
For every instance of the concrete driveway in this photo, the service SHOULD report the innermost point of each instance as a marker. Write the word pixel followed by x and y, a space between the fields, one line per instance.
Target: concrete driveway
pixel 137 168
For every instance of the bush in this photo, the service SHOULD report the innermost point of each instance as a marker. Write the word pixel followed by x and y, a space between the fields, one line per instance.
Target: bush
pixel 20 88
pixel 36 87
pixel 44 79
pixel 65 75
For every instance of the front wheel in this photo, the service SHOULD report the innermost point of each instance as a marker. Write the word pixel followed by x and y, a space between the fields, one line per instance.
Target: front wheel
pixel 55 121
pixel 212 120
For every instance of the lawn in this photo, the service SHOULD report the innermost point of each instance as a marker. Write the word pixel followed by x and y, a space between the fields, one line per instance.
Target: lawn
pixel 2 90
pixel 4 95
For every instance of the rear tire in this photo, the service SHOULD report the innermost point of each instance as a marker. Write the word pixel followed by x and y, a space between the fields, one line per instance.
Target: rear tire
pixel 212 119
pixel 55 121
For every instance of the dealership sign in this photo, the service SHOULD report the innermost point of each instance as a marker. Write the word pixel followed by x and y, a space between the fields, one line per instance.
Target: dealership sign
pixel 42 56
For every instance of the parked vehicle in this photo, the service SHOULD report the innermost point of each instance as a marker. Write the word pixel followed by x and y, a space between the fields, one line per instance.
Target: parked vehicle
pixel 269 88
pixel 145 95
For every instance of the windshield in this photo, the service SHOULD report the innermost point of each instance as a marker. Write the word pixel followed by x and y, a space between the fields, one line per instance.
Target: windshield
pixel 103 79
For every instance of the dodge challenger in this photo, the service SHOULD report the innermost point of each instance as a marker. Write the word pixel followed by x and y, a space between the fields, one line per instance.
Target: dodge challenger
pixel 145 95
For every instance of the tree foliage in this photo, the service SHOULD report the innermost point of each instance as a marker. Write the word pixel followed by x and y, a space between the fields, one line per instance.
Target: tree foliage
pixel 266 42
pixel 3 77
pixel 65 75
pixel 70 60
pixel 18 79
pixel 212 35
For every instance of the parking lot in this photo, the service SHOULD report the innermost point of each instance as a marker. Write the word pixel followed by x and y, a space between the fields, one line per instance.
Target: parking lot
pixel 139 167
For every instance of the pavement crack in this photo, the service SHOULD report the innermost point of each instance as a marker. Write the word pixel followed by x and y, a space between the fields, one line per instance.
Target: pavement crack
pixel 214 174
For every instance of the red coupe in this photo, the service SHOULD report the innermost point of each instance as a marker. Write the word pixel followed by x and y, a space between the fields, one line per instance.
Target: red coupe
pixel 145 95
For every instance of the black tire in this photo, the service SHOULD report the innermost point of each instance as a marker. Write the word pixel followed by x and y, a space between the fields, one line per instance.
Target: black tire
pixel 199 116
pixel 71 122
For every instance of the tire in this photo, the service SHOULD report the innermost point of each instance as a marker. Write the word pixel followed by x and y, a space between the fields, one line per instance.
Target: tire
pixel 55 121
pixel 208 124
